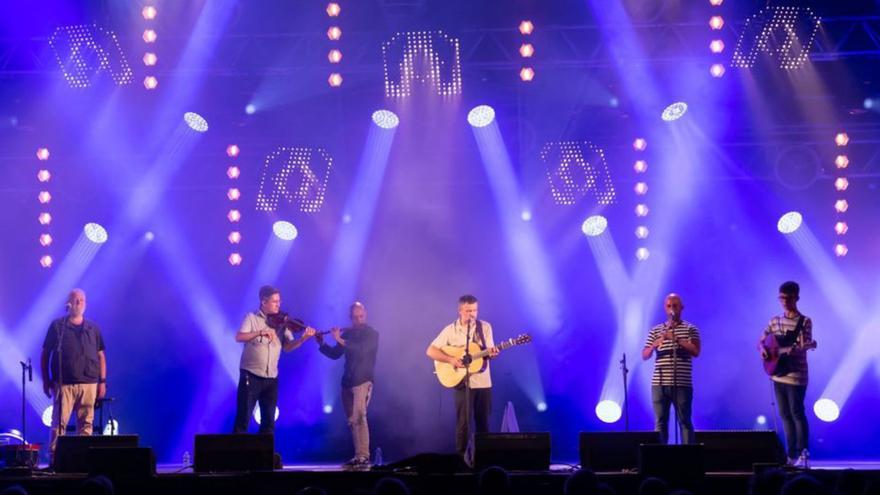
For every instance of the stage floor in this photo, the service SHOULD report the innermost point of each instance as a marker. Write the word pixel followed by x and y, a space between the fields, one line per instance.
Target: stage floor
pixel 176 479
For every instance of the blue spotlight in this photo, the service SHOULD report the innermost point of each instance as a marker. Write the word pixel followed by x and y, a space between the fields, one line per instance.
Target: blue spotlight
pixel 613 102
pixel 594 225
pixel 386 119
pixel 790 222
pixel 608 411
pixel 95 233
pixel 250 109
pixel 328 409
pixel 481 116
pixel 542 406
pixel 195 121
pixel 149 235
pixel 526 215
pixel 826 410
pixel 761 420
pixel 284 230
pixel 674 111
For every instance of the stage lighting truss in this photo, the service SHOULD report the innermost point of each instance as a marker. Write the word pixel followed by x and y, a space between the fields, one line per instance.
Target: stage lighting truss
pixel 290 174
pixel 429 58
pixel 576 169
pixel 785 33
pixel 85 50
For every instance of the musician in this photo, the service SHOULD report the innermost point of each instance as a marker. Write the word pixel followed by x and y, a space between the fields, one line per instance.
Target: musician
pixel 359 344
pixel 74 348
pixel 791 385
pixel 258 373
pixel 677 342
pixel 479 400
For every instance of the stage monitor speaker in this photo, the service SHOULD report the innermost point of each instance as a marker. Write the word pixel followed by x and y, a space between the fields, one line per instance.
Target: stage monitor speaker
pixel 740 450
pixel 604 451
pixel 72 451
pixel 679 465
pixel 430 463
pixel 514 451
pixel 122 464
pixel 236 452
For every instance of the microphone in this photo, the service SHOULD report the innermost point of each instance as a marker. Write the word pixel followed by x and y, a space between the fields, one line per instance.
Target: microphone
pixel 30 371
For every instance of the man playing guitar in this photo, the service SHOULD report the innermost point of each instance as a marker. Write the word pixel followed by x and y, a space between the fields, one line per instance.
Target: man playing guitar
pixel 476 394
pixel 788 338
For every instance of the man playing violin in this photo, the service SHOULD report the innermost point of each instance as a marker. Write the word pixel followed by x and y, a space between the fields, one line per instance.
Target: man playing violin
pixel 258 373
pixel 795 331
pixel 359 344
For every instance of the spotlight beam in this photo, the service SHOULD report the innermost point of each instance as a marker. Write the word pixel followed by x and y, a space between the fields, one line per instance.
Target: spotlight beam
pixel 340 278
pixel 526 254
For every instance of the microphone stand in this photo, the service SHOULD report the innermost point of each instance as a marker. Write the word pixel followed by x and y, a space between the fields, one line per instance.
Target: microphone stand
pixel 466 360
pixel 26 369
pixel 625 370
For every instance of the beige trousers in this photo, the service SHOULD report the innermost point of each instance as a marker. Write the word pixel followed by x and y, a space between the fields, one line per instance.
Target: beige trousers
pixel 355 401
pixel 79 397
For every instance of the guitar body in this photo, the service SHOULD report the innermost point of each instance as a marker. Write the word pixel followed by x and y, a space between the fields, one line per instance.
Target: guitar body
pixel 772 349
pixel 774 363
pixel 449 375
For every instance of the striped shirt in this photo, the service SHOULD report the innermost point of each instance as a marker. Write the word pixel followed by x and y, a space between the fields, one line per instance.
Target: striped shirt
pixel 783 326
pixel 667 373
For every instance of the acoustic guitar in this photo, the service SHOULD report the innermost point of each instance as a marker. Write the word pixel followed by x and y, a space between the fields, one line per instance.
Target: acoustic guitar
pixel 774 353
pixel 450 376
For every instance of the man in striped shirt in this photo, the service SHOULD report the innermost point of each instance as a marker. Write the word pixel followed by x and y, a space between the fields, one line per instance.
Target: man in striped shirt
pixel 791 385
pixel 677 342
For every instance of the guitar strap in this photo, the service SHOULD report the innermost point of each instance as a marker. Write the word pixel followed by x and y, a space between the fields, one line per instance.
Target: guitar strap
pixel 797 331
pixel 480 335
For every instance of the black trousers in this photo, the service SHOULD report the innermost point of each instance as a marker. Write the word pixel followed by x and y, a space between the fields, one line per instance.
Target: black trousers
pixel 481 407
pixel 251 390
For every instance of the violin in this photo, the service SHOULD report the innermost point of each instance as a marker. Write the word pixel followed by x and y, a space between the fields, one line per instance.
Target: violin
pixel 281 322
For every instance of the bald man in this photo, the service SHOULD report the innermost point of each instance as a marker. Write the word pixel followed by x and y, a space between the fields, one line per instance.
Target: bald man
pixel 74 348
pixel 676 343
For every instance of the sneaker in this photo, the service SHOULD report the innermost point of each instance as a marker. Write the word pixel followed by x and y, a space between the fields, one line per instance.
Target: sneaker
pixel 803 461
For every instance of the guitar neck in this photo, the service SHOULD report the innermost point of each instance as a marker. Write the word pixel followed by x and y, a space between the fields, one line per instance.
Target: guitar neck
pixel 500 347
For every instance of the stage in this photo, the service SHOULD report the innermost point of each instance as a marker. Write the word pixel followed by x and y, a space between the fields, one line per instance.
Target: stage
pixel 174 479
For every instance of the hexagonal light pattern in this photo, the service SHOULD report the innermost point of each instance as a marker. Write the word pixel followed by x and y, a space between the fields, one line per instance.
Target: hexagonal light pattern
pixel 841 183
pixel 841 205
pixel 841 139
pixel 841 228
pixel 43 154
pixel 235 259
pixel 527 74
pixel 526 27
pixel 233 194
pixel 233 172
pixel 640 144
pixel 842 161
pixel 232 150
pixel 233 216
pixel 642 253
pixel 234 237
pixel 46 261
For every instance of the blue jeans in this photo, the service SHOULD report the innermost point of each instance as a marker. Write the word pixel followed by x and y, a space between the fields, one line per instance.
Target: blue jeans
pixel 662 397
pixel 794 420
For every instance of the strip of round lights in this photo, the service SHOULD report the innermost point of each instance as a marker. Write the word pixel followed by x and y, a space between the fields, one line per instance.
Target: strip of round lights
pixel 841 184
pixel 150 59
pixel 233 194
pixel 672 112
pixel 526 51
pixel 44 197
pixel 716 44
pixel 334 34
